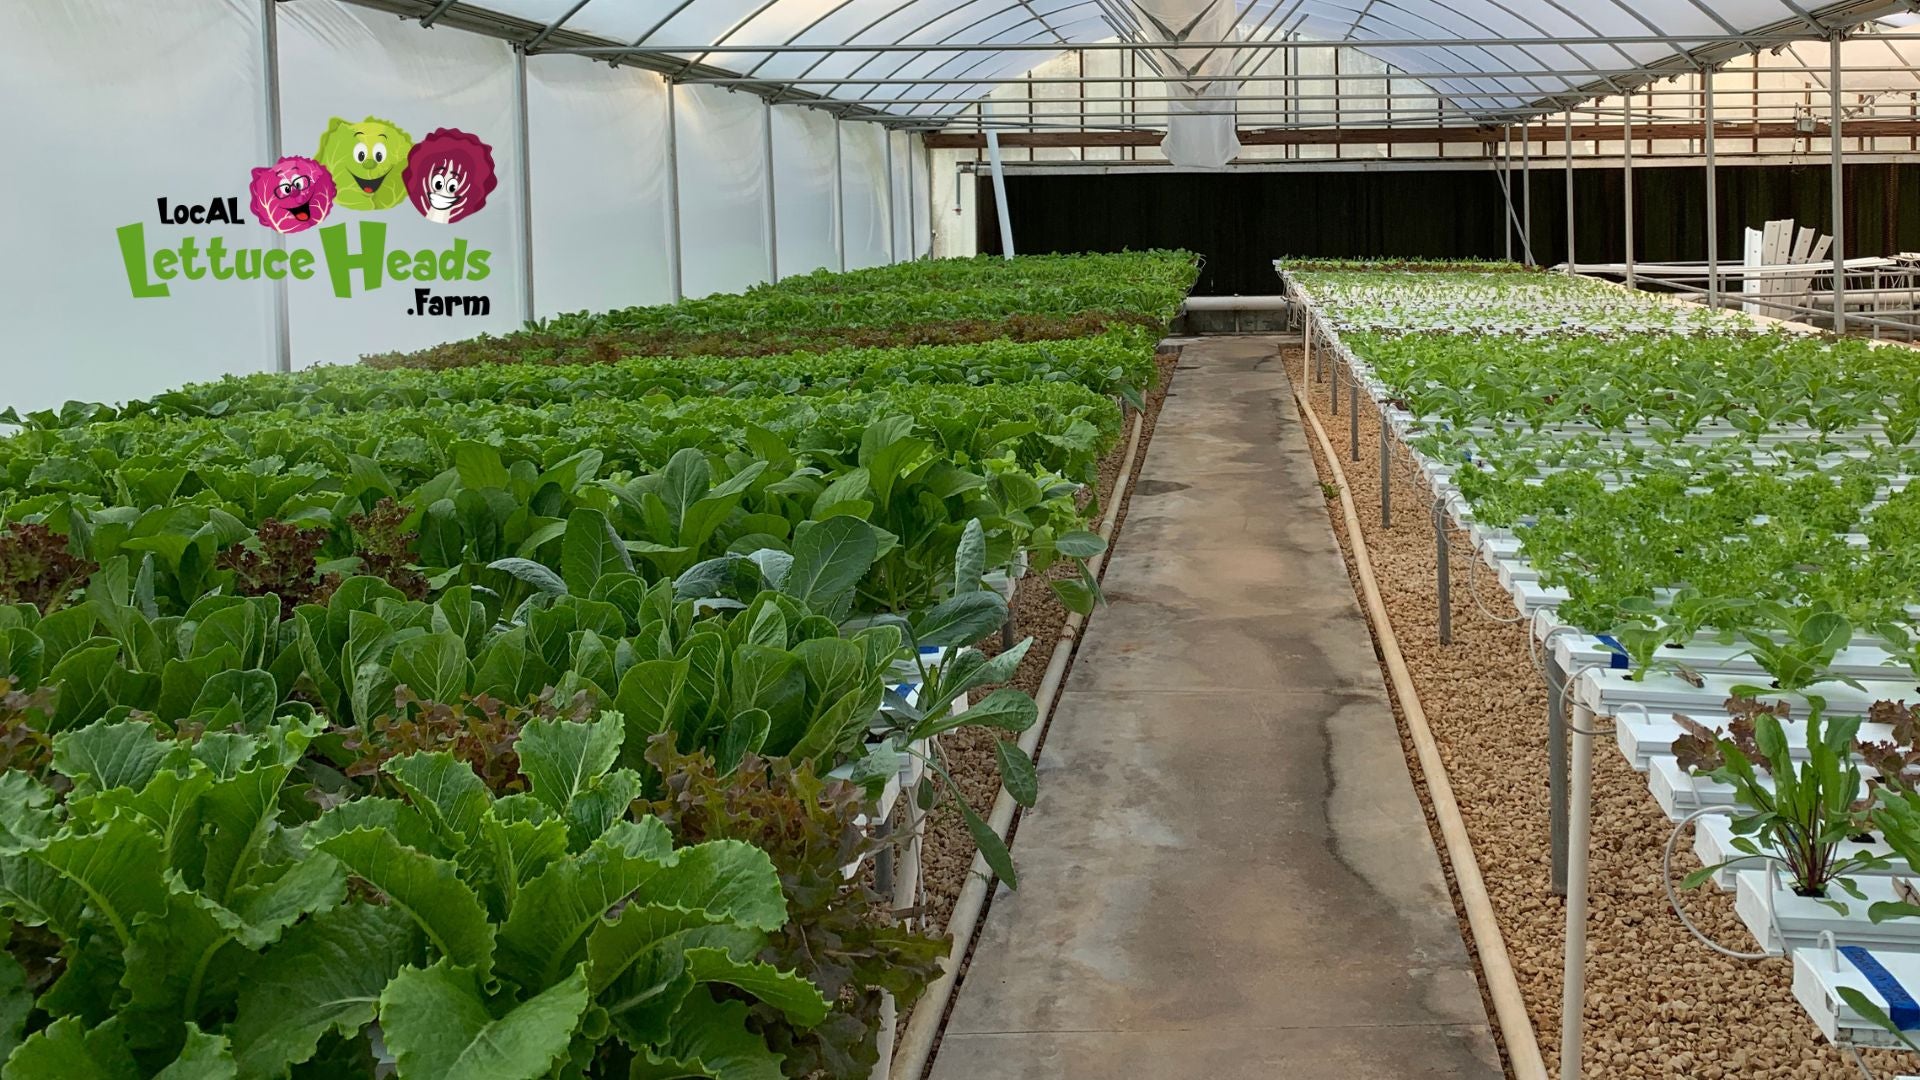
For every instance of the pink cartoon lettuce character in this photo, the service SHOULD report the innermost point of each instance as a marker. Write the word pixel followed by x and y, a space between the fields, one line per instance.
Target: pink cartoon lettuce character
pixel 292 194
pixel 449 175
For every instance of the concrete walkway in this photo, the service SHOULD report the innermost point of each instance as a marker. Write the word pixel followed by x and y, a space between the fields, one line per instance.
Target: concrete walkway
pixel 1227 875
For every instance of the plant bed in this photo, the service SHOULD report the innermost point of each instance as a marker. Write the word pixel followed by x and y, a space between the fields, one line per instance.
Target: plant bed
pixel 465 682
pixel 1648 1017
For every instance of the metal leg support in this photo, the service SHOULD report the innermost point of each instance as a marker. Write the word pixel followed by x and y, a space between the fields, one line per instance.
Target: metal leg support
pixel 1443 572
pixel 1386 475
pixel 1557 773
pixel 1574 977
pixel 1353 417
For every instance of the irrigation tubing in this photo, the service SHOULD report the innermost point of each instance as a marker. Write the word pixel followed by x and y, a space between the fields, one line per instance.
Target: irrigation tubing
pixel 1509 1007
pixel 1673 898
pixel 929 1014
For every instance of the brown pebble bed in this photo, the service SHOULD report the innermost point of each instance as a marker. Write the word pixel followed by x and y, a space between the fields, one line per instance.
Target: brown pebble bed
pixel 948 850
pixel 1659 1003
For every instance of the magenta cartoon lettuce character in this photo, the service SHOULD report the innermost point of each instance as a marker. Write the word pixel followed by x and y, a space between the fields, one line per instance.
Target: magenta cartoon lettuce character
pixel 292 194
pixel 449 175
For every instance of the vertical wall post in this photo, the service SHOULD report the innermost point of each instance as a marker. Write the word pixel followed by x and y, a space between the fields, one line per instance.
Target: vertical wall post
pixel 1000 193
pixel 913 215
pixel 675 284
pixel 523 150
pixel 1838 107
pixel 1572 263
pixel 1713 189
pixel 773 206
pixel 1626 166
pixel 839 200
pixel 893 215
pixel 270 57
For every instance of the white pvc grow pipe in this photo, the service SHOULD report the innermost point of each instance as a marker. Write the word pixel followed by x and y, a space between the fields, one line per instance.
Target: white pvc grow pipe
pixel 1509 1007
pixel 1573 987
pixel 929 1015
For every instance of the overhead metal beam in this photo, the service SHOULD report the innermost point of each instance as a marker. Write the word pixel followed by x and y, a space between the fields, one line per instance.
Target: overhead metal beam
pixel 1291 77
pixel 1773 38
pixel 1868 129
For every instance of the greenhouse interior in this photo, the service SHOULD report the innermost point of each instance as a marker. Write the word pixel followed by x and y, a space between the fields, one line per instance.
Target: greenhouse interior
pixel 721 602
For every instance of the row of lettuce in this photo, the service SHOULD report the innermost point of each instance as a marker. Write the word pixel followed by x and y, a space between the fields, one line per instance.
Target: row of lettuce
pixel 1773 465
pixel 1691 478
pixel 958 301
pixel 520 720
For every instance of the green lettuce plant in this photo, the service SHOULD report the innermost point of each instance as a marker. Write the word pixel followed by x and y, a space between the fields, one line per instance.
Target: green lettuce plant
pixel 504 937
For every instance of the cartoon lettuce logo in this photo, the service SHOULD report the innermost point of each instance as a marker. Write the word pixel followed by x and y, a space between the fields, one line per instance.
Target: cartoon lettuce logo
pixel 449 175
pixel 292 194
pixel 366 160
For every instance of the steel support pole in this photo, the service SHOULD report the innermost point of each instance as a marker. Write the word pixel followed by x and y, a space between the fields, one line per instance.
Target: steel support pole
pixel 1506 186
pixel 1557 773
pixel 270 61
pixel 772 199
pixel 1333 385
pixel 675 285
pixel 1571 261
pixel 523 176
pixel 893 194
pixel 913 217
pixel 883 883
pixel 1573 987
pixel 1626 166
pixel 1526 192
pixel 523 149
pixel 1353 415
pixel 1000 202
pixel 1839 182
pixel 1713 189
pixel 1443 572
pixel 840 201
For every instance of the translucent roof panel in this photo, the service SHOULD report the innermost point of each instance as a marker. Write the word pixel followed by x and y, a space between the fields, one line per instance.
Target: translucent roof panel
pixel 1488 57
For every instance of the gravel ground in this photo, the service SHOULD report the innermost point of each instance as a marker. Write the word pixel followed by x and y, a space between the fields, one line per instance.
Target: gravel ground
pixel 1659 1004
pixel 948 850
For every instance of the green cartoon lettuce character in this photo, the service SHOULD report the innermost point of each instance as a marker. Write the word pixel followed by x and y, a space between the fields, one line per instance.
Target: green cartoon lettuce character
pixel 366 159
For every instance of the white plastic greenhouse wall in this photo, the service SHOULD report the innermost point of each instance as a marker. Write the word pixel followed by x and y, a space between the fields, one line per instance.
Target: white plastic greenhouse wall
pixel 169 100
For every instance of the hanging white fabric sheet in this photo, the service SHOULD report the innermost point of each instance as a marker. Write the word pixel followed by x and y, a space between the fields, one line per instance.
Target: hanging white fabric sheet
pixel 1200 90
pixel 864 191
pixel 803 188
pixel 599 138
pixel 109 107
pixel 338 60
pixel 723 184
